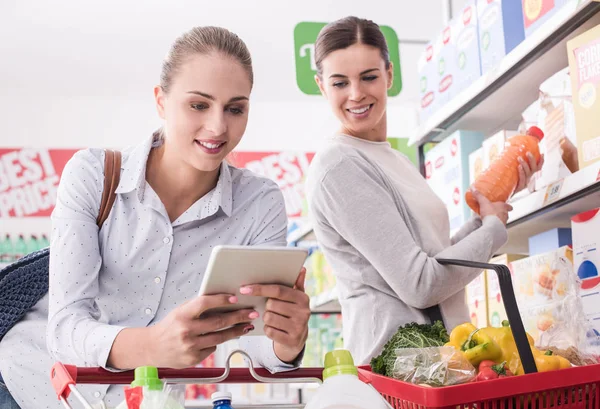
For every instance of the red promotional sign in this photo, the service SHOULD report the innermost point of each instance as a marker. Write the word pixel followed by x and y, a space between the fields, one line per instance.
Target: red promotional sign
pixel 29 179
pixel 287 169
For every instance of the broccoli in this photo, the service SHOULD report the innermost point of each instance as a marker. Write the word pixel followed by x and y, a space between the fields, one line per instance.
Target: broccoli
pixel 411 335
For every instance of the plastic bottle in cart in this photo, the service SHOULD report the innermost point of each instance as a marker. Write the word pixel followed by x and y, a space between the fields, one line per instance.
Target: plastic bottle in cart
pixel 154 395
pixel 221 400
pixel 342 389
pixel 498 182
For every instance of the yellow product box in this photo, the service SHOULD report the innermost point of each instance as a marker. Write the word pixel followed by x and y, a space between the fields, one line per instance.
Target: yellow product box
pixel 541 284
pixel 584 65
pixel 476 301
pixel 496 311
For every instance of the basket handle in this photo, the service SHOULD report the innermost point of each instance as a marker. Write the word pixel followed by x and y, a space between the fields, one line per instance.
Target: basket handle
pixel 510 305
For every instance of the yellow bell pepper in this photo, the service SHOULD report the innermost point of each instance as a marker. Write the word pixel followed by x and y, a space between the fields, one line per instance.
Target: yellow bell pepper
pixel 474 343
pixel 498 345
pixel 546 361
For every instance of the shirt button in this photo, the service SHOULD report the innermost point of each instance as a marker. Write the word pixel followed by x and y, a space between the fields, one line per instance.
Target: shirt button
pixel 167 240
pixel 148 311
pixel 157 280
pixel 97 394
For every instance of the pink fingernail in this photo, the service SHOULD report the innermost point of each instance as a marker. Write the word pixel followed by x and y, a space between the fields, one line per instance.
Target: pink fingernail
pixel 233 299
pixel 254 315
pixel 248 329
pixel 245 290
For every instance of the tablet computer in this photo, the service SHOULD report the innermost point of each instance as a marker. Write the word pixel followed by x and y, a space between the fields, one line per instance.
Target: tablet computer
pixel 232 267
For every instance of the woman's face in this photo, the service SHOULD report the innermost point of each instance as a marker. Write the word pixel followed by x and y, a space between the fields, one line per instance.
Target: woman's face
pixel 355 82
pixel 206 109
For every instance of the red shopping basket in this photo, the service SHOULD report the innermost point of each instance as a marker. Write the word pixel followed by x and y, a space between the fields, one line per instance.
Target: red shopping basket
pixel 574 388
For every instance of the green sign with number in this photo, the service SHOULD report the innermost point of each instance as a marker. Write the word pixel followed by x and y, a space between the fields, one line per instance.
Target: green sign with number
pixel 305 36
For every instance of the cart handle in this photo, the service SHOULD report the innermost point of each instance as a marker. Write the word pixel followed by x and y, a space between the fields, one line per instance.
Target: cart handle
pixel 64 375
pixel 510 305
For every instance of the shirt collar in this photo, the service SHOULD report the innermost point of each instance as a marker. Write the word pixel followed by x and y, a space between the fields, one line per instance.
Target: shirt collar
pixel 133 177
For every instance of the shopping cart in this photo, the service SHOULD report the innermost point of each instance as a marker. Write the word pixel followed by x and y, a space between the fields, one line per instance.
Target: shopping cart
pixel 574 388
pixel 65 378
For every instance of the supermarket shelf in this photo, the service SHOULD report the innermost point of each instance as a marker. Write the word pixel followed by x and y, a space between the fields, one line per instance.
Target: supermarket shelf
pixel 299 234
pixel 326 303
pixel 537 213
pixel 496 100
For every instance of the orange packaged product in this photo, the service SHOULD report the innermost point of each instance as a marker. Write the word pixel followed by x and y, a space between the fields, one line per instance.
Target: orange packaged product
pixel 499 181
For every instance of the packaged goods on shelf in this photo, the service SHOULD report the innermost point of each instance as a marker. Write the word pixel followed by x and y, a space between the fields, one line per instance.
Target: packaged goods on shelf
pixel 494 145
pixel 324 335
pixel 475 164
pixel 537 12
pixel 466 42
pixel 447 173
pixel 476 298
pixel 549 241
pixel 428 85
pixel 500 30
pixel 14 247
pixel 586 239
pixel 495 304
pixel 584 64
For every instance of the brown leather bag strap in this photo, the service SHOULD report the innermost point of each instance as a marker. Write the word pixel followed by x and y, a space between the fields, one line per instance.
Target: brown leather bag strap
pixel 112 174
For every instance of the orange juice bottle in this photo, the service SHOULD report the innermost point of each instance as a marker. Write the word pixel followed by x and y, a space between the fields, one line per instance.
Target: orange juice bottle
pixel 499 181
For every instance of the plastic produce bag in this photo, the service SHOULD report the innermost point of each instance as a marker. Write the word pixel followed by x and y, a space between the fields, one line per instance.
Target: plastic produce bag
pixel 435 366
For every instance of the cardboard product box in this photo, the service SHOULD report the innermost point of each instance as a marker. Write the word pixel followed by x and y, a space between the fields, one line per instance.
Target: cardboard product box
pixel 549 241
pixel 501 29
pixel 494 146
pixel 468 61
pixel 557 120
pixel 584 65
pixel 541 285
pixel 445 61
pixel 447 173
pixel 428 81
pixel 537 12
pixel 586 238
pixel 475 294
pixel 475 164
pixel 495 303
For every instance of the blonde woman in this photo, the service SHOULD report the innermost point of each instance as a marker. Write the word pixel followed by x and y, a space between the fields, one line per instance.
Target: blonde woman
pixel 126 296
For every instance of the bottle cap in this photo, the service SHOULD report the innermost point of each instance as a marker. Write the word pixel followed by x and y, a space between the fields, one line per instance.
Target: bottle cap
pixel 535 131
pixel 147 376
pixel 218 396
pixel 339 362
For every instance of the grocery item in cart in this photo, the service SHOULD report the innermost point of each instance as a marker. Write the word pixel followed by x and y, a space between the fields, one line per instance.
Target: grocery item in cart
pixel 342 389
pixel 498 345
pixel 499 181
pixel 221 400
pixel 147 391
pixel 436 366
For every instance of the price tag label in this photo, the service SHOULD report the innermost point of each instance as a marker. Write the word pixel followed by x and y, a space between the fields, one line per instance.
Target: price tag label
pixel 553 192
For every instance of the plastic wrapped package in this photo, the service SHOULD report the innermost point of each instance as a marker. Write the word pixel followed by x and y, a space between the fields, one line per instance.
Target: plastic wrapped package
pixel 435 366
pixel 568 332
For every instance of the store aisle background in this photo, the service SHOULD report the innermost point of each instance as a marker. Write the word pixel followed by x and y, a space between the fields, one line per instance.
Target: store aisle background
pixel 79 74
